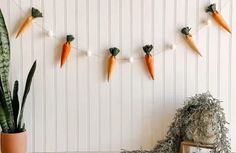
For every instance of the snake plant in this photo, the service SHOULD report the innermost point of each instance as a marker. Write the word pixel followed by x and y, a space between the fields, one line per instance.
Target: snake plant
pixel 10 119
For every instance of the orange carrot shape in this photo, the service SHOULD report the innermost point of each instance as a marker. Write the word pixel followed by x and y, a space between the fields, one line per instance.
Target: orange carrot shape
pixel 218 17
pixel 149 60
pixel 66 49
pixel 35 13
pixel 189 39
pixel 112 61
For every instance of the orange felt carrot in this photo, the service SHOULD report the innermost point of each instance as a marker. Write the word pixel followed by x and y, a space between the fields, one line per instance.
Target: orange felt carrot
pixel 149 60
pixel 35 13
pixel 189 39
pixel 218 17
pixel 112 61
pixel 66 49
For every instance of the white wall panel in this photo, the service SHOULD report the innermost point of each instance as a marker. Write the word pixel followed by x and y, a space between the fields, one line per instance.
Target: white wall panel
pixel 76 109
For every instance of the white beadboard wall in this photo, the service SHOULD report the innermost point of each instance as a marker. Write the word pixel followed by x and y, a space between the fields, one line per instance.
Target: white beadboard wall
pixel 75 109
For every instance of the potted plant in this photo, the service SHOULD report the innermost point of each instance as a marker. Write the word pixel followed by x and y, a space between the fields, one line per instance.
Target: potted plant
pixel 200 122
pixel 13 136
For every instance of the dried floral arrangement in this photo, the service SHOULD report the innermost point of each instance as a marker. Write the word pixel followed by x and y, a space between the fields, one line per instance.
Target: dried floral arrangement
pixel 201 120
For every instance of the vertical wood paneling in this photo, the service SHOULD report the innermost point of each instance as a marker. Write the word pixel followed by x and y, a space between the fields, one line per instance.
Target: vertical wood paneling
pixel 60 30
pixel 37 50
pixel 158 92
pixel 147 84
pixel 126 103
pixel 213 54
pixel 115 83
pixel 224 60
pixel 202 39
pixel 93 78
pixel 82 92
pixel 50 100
pixel 71 78
pixel 169 38
pixel 191 62
pixel 180 83
pixel 104 86
pixel 137 69
pixel 75 108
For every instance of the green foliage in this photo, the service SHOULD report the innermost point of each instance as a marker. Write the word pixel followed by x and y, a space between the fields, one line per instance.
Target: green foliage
pixel 147 49
pixel 211 8
pixel 27 89
pixel 36 13
pixel 114 51
pixel 9 105
pixel 3 120
pixel 70 38
pixel 4 70
pixel 185 31
pixel 198 111
pixel 15 102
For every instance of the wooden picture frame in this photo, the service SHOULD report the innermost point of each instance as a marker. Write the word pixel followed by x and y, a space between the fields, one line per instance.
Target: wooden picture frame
pixel 191 147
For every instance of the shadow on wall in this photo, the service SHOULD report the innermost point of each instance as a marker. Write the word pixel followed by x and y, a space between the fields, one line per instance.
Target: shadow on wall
pixel 155 124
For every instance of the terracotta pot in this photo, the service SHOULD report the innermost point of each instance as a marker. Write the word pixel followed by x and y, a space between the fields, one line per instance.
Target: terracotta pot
pixel 14 142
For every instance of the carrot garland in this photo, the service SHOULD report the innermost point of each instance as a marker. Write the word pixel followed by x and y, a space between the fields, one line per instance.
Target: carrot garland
pixel 218 17
pixel 66 49
pixel 189 39
pixel 112 61
pixel 149 60
pixel 35 13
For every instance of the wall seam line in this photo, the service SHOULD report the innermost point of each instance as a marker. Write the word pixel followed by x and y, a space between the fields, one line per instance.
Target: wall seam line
pixel 88 79
pixel 77 80
pixel 110 90
pixel 99 87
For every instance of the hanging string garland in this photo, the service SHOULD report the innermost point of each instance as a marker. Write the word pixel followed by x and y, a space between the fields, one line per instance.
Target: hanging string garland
pixel 67 46
pixel 207 22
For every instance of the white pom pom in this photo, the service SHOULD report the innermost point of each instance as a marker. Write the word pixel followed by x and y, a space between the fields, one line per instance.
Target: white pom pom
pixel 131 59
pixel 173 46
pixel 89 53
pixel 208 22
pixel 50 34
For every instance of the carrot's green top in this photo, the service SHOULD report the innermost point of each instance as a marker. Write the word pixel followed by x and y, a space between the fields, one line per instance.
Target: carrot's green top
pixel 211 8
pixel 36 13
pixel 114 51
pixel 185 31
pixel 70 38
pixel 147 49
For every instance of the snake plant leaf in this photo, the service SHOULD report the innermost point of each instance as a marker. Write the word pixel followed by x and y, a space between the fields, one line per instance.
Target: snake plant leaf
pixel 4 68
pixel 3 115
pixel 15 102
pixel 3 120
pixel 27 89
pixel 5 108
